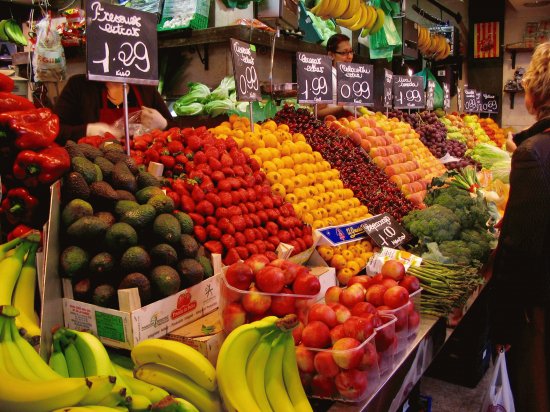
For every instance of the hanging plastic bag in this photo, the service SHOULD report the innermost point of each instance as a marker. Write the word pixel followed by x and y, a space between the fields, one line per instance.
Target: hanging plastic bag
pixel 438 90
pixel 499 397
pixel 49 56
pixel 135 127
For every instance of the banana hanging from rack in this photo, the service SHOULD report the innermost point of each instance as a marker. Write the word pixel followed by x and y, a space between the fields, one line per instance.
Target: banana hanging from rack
pixel 379 23
pixel 364 12
pixel 351 7
pixel 323 8
pixel 11 31
pixel 342 7
pixel 351 22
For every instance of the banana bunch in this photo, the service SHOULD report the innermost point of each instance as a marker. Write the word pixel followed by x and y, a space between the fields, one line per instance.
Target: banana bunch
pixel 30 385
pixel 178 369
pixel 257 370
pixel 11 31
pixel 18 281
pixel 432 46
pixel 353 14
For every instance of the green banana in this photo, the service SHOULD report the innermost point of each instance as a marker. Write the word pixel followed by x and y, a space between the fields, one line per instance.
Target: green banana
pixel 3 35
pixel 92 352
pixel 10 268
pixel 115 397
pixel 14 33
pixel 6 247
pixel 57 359
pixel 75 364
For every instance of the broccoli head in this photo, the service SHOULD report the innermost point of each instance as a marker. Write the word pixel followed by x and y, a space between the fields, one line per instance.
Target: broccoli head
pixel 479 243
pixel 457 251
pixel 433 224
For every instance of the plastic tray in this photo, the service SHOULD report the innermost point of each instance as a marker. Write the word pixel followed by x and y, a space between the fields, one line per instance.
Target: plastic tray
pixel 412 326
pixel 386 343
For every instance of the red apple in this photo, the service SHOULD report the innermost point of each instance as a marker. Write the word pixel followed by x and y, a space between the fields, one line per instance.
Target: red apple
pixel 337 333
pixel 393 269
pixel 388 282
pixel 278 263
pixel 352 295
pixel 364 280
pixel 414 320
pixel 332 295
pixel 375 294
pixel 411 283
pixel 304 359
pixel 233 316
pixel 284 303
pixel 256 302
pixel 384 337
pixel 306 379
pixel 347 353
pixel 316 335
pixel 292 270
pixel 325 365
pixel 377 278
pixel 370 357
pixel 396 296
pixel 323 313
pixel 363 308
pixel 297 332
pixel 342 312
pixel 323 386
pixel 351 384
pixel 306 284
pixel 358 328
pixel 257 262
pixel 270 279
pixel 239 275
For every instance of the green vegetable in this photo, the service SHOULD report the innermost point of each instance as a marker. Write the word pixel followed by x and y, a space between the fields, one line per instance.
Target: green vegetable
pixel 436 223
pixel 501 170
pixel 197 92
pixel 488 155
pixel 223 91
pixel 217 107
pixel 479 243
pixel 191 109
pixel 457 251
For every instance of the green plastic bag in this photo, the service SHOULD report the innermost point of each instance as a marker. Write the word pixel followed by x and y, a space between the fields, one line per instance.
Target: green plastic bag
pixel 438 90
pixel 384 42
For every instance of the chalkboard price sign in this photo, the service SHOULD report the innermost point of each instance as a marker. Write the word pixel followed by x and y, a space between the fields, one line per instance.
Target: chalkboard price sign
pixel 470 101
pixel 430 95
pixel 446 96
pixel 244 70
pixel 408 92
pixel 386 231
pixel 355 84
pixel 479 105
pixel 314 74
pixel 119 44
pixel 388 87
pixel 489 103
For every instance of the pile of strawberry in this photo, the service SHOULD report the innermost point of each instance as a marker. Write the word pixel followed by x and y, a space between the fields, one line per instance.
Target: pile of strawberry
pixel 224 192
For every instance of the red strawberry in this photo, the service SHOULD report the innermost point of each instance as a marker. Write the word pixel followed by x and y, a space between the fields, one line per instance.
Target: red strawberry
pixel 205 208
pixel 200 233
pixel 236 197
pixel 238 222
pixel 250 235
pixel 194 142
pixel 235 183
pixel 197 194
pixel 214 246
pixel 303 245
pixel 214 163
pixel 242 251
pixel 240 238
pixel 224 185
pixel 175 198
pixel 230 143
pixel 234 210
pixel 273 214
pixel 211 220
pixel 231 257
pixel 225 198
pixel 199 158
pixel 228 241
pixel 213 232
pixel 262 215
pixel 308 239
pixel 197 219
pixel 260 244
pixel 217 175
pixel 244 194
pixel 175 147
pixel 272 228
pixel 284 236
pixel 278 201
pixel 248 221
pixel 187 204
pixel 250 207
pixel 270 246
pixel 247 169
pixel 214 199
pixel 226 160
pixel 211 152
pixel 252 248
pixel 267 202
pixel 259 205
pixel 244 210
pixel 254 165
pixel 151 155
pixel 256 222
pixel 207 185
pixel 239 171
pixel 221 212
pixel 228 171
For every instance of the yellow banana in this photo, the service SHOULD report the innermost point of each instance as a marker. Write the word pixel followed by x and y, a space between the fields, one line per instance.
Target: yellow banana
pixel 274 381
pixel 23 295
pixel 380 18
pixel 95 358
pixel 13 356
pixel 180 385
pixel 90 408
pixel 231 364
pixel 186 406
pixel 6 247
pixel 341 7
pixel 100 387
pixel 352 7
pixel 255 371
pixel 152 392
pixel 10 267
pixel 363 19
pixel 117 396
pixel 292 380
pixel 179 356
pixel 353 20
pixel 324 7
pixel 372 17
pixel 139 403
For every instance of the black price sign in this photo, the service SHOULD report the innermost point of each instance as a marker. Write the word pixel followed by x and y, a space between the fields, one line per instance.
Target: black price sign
pixel 119 44
pixel 244 70
pixel 470 101
pixel 314 73
pixel 478 102
pixel 489 103
pixel 430 95
pixel 388 87
pixel 446 96
pixel 408 92
pixel 386 231
pixel 354 84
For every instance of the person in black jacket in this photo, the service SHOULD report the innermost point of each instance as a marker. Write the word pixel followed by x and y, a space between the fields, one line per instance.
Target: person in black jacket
pixel 521 274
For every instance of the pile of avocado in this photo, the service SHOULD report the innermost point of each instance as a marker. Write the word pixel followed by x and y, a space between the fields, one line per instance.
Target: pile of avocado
pixel 120 230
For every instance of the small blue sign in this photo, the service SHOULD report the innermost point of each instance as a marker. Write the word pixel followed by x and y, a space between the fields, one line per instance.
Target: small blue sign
pixel 350 232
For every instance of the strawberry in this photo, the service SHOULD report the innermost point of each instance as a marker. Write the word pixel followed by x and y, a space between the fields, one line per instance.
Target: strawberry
pixel 140 144
pixel 151 155
pixel 226 160
pixel 278 201
pixel 187 204
pixel 254 165
pixel 308 239
pixel 257 223
pixel 260 245
pixel 175 147
pixel 307 230
pixel 272 228
pixel 194 142
pixel 214 163
pixel 235 183
pixel 228 241
pixel 211 220
pixel 302 243
pixel 251 194
pixel 234 210
pixel 284 236
pixel 274 240
pixel 244 210
pixel 207 185
pixel 259 205
pixel 252 248
pixel 296 231
pixel 181 159
pixel 238 222
pixel 239 171
pixel 250 235
pixel 213 232
pixel 236 197
pixel 228 171
pixel 214 246
pixel 269 246
pixel 247 169
pixel 273 214
pixel 259 176
pixel 230 143
pixel 197 194
pixel 248 221
pixel 226 226
pixel 175 198
pixel 217 175
pixel 250 207
pixel 244 194
pixel 221 212
pixel 242 251
pixel 211 152
pixel 282 222
pixel 199 158
pixel 213 198
pixel 240 238
pixel 226 199
pixel 203 168
pixel 200 233
pixel 197 219
pixel 224 185
pixel 231 257
pixel 205 208
pixel 168 161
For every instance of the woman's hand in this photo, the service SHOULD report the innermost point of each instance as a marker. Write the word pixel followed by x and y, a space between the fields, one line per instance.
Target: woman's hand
pixel 152 119
pixel 99 129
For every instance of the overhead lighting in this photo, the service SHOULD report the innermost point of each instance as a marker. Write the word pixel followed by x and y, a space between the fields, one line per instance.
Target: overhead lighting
pixel 537 3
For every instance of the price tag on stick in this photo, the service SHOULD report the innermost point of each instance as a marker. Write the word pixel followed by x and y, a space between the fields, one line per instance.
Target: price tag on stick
pixel 386 231
pixel 388 88
pixel 478 102
pixel 314 75
pixel 354 84
pixel 408 92
pixel 119 44
pixel 244 69
pixel 446 96
pixel 430 95
pixel 489 103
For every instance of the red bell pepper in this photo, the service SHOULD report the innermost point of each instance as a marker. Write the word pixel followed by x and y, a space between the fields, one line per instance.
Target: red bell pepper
pixel 6 83
pixel 10 102
pixel 43 167
pixel 34 129
pixel 24 231
pixel 19 205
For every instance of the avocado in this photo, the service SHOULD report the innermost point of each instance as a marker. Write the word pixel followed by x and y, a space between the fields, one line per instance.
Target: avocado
pixel 73 149
pixel 135 259
pixel 120 237
pixel 89 151
pixel 105 295
pixel 145 179
pixel 101 264
pixel 122 178
pixel 186 222
pixel 140 216
pixel 99 173
pixel 206 266
pixel 82 290
pixel 123 206
pixel 164 254
pixel 139 281
pixel 189 246
pixel 105 166
pixel 191 272
pixel 85 168
pixel 166 228
pixel 165 281
pixel 107 217
pixel 73 261
pixel 75 187
pixel 125 195
pixel 87 229
pixel 116 157
pixel 143 195
pixel 112 147
pixel 162 203
pixel 103 193
pixel 74 210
